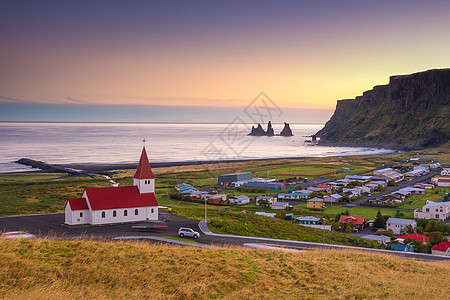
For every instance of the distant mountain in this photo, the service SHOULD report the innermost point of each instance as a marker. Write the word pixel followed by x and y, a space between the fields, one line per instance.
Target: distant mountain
pixel 410 112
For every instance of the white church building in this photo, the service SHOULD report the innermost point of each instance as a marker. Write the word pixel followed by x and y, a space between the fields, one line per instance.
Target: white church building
pixel 108 205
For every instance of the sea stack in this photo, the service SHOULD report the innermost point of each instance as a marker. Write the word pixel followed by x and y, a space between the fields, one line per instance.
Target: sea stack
pixel 258 131
pixel 286 130
pixel 270 131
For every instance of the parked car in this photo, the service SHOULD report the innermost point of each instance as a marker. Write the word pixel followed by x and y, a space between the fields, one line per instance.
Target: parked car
pixel 151 225
pixel 188 232
pixel 17 235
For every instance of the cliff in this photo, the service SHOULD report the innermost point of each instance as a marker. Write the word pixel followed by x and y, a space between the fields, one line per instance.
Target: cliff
pixel 410 112
pixel 286 130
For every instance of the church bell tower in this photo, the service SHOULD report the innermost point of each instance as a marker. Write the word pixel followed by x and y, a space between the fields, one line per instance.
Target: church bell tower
pixel 144 178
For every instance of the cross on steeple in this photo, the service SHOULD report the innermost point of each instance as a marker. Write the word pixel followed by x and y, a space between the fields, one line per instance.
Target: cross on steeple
pixel 144 140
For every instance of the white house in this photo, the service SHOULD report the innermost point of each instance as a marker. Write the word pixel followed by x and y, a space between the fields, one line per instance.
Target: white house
pixel 382 239
pixel 108 205
pixel 400 226
pixel 280 205
pixel 270 199
pixel 332 198
pixel 241 199
pixel 433 210
pixel 445 172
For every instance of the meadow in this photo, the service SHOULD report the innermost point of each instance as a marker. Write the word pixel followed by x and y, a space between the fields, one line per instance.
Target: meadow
pixel 46 269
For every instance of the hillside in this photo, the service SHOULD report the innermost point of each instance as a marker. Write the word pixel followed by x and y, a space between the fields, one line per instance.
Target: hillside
pixel 45 269
pixel 411 112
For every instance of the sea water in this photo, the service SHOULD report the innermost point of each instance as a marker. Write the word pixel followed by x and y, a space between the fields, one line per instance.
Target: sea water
pixel 66 143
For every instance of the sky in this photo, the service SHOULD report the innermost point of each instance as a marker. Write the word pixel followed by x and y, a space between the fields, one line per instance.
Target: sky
pixel 206 61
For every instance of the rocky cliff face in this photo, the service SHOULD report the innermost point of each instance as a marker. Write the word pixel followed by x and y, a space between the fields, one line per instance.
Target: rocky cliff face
pixel 286 130
pixel 411 112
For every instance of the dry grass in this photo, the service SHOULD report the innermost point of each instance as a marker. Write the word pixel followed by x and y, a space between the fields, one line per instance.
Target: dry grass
pixel 44 269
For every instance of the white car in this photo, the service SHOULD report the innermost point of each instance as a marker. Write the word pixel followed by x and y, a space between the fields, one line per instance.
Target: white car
pixel 188 232
pixel 17 235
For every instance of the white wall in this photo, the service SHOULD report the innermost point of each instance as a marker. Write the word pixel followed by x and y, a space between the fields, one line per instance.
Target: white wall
pixel 144 213
pixel 72 217
pixel 145 185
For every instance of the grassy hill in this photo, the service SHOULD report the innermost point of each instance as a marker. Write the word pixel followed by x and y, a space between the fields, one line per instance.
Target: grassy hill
pixel 45 269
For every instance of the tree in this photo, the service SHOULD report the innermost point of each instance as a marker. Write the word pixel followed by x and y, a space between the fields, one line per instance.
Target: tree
pixel 398 213
pixel 346 213
pixel 435 237
pixel 264 203
pixel 280 215
pixel 379 221
pixel 410 229
pixel 349 228
pixel 391 182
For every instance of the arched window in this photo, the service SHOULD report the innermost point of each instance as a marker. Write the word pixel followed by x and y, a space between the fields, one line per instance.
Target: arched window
pixel 81 214
pixel 125 212
pixel 153 210
pixel 103 214
pixel 114 214
pixel 136 211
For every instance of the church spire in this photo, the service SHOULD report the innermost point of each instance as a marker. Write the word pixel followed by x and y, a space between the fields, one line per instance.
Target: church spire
pixel 144 171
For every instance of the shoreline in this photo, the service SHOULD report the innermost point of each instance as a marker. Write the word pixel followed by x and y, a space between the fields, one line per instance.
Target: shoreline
pixel 105 168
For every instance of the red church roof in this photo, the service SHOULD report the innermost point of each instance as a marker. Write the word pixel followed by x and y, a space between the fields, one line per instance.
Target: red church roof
pixel 443 246
pixel 144 171
pixel 352 219
pixel 77 203
pixel 415 236
pixel 119 197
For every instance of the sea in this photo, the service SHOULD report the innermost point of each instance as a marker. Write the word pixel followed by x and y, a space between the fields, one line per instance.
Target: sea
pixel 116 143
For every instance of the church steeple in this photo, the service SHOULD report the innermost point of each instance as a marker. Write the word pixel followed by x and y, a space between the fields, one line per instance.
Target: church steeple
pixel 144 178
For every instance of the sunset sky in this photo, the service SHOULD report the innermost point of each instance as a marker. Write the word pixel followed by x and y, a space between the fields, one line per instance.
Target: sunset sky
pixel 205 61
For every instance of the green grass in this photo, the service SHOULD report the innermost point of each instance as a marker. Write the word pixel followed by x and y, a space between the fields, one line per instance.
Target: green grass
pixel 179 239
pixel 418 201
pixel 368 213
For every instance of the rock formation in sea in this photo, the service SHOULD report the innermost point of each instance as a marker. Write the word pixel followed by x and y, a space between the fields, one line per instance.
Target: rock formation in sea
pixel 258 131
pixel 410 112
pixel 270 131
pixel 286 130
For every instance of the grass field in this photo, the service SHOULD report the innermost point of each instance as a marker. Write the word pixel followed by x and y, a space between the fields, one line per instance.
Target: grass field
pixel 420 200
pixel 45 269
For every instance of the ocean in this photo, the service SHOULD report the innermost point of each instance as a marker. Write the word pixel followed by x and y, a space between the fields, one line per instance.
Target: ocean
pixel 66 143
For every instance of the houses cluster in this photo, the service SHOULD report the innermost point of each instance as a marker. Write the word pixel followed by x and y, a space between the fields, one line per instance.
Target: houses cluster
pixel 247 180
pixel 400 195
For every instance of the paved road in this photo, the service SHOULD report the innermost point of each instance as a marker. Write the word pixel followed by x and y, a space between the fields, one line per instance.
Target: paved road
pixel 51 224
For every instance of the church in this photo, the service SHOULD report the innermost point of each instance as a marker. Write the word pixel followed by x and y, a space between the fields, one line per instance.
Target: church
pixel 122 204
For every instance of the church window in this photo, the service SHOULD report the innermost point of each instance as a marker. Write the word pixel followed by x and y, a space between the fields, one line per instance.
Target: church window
pixel 125 212
pixel 136 211
pixel 81 214
pixel 114 214
pixel 103 214
pixel 153 210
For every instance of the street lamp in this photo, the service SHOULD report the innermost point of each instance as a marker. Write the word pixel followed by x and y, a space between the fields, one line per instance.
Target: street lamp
pixel 205 210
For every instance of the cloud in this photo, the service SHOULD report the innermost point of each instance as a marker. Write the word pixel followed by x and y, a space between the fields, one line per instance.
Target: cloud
pixel 9 99
pixel 72 100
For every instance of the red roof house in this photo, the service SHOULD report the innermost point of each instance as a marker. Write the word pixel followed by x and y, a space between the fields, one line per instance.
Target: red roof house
pixel 442 248
pixel 359 222
pixel 106 205
pixel 415 236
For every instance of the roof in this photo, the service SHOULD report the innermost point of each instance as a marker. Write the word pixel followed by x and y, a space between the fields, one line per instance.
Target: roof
pixel 241 197
pixel 144 171
pixel 415 236
pixel 77 204
pixel 315 200
pixel 442 246
pixel 352 219
pixel 376 237
pixel 443 179
pixel 308 218
pixel 324 186
pixel 400 221
pixel 432 203
pixel 399 247
pixel 280 203
pixel 119 197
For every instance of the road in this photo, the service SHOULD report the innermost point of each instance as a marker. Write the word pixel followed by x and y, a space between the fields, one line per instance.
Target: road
pixel 52 225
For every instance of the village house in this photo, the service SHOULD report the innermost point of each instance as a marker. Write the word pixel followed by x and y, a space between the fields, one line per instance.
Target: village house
pixel 332 198
pixel 400 226
pixel 399 247
pixel 274 186
pixel 388 174
pixel 414 236
pixel 445 172
pixel 241 199
pixel 443 248
pixel 216 198
pixel 382 239
pixel 120 204
pixel 315 203
pixel 433 210
pixel 441 182
pixel 303 194
pixel 309 220
pixel 358 222
pixel 228 179
pixel 270 199
pixel 326 188
pixel 280 205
